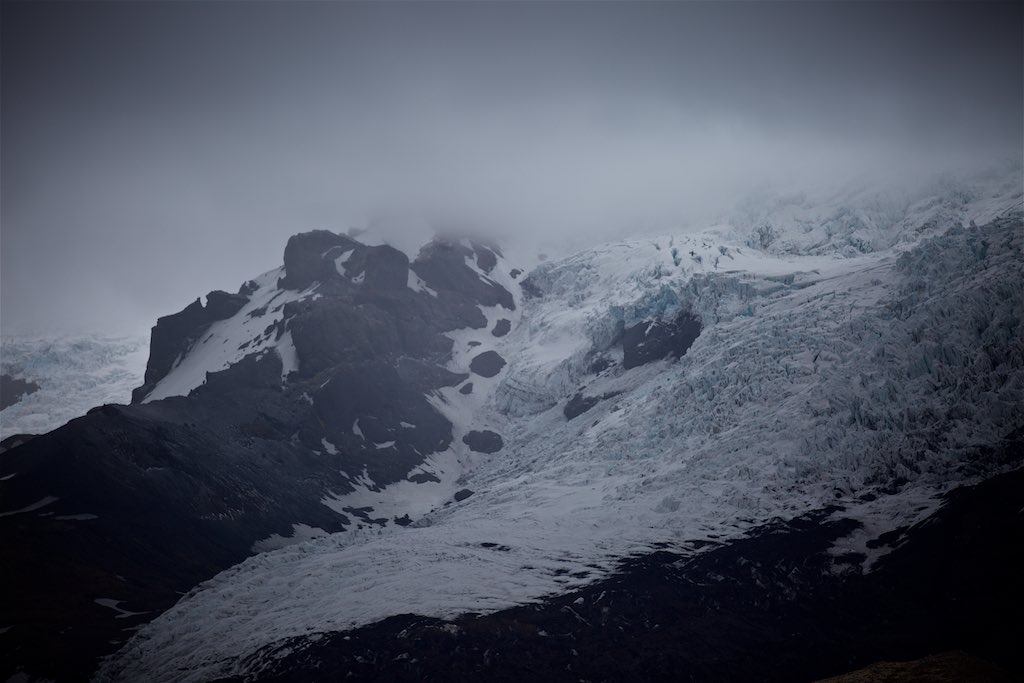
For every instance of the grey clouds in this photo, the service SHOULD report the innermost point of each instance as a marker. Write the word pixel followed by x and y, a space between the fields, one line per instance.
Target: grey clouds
pixel 154 151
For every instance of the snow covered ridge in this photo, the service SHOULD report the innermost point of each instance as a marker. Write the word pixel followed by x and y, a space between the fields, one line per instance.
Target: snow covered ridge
pixel 873 382
pixel 74 373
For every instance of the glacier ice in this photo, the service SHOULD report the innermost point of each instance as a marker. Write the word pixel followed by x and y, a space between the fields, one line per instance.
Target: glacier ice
pixel 75 372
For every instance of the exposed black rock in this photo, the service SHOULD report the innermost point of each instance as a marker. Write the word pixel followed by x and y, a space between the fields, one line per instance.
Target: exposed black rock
pixel 485 258
pixel 502 327
pixel 376 268
pixel 171 337
pixel 653 340
pixel 484 441
pixel 466 388
pixel 531 290
pixel 15 440
pixel 221 305
pixel 472 344
pixel 487 364
pixel 515 272
pixel 13 389
pixel 375 394
pixel 425 376
pixel 442 266
pixel 304 261
pixel 579 403
pixel 600 364
pixel 462 494
pixel 334 330
pixel 180 489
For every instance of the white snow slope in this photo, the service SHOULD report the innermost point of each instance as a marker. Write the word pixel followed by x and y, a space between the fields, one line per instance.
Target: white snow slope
pixel 74 373
pixel 821 374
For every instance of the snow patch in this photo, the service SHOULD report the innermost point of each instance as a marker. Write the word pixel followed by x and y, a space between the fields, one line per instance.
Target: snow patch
pixel 416 284
pixel 41 503
pixel 110 603
pixel 228 341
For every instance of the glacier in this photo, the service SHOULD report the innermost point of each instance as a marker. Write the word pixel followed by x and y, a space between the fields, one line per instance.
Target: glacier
pixel 860 354
pixel 75 372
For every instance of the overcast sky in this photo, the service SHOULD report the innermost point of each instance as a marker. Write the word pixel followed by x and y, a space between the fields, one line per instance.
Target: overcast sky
pixel 152 152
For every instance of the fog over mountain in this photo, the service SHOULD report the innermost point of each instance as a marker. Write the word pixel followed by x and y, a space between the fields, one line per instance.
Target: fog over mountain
pixel 152 150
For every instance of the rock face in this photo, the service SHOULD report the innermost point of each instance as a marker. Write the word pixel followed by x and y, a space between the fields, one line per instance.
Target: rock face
pixel 221 305
pixel 502 327
pixel 332 366
pixel 650 341
pixel 484 441
pixel 304 254
pixel 579 403
pixel 173 335
pixel 487 364
pixel 13 389
pixel 443 266
pixel 14 441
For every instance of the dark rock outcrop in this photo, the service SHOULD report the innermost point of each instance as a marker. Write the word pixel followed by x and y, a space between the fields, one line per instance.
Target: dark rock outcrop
pixel 376 395
pixel 442 266
pixel 14 441
pixel 171 337
pixel 466 388
pixel 221 305
pixel 579 403
pixel 13 389
pixel 653 340
pixel 304 261
pixel 487 364
pixel 484 441
pixel 486 259
pixel 462 494
pixel 502 327
pixel 531 290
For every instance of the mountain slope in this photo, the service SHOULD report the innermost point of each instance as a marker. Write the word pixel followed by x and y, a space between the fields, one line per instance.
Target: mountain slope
pixel 872 384
pixel 130 506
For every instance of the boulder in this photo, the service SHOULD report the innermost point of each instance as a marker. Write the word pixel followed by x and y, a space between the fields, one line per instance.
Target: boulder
pixel 502 327
pixel 484 441
pixel 487 364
